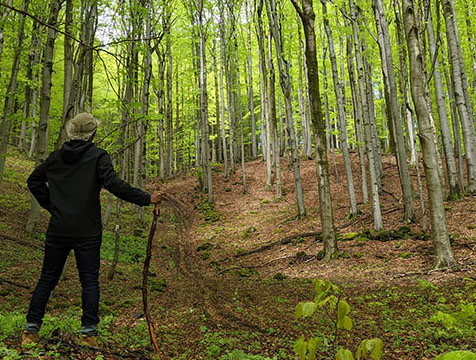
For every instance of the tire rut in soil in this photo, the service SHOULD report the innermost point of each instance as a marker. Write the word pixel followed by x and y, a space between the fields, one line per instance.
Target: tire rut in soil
pixel 209 293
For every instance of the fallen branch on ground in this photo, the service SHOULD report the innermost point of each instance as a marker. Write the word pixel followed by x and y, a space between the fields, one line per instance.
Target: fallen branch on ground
pixel 290 238
pixel 284 241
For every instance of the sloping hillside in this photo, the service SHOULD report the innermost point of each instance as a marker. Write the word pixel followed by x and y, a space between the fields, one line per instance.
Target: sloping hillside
pixel 229 276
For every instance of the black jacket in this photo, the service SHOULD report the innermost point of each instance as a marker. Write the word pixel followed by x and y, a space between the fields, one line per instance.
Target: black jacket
pixel 75 175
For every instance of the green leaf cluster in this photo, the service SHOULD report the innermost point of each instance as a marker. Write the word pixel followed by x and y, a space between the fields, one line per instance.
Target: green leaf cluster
pixel 328 298
pixel 461 323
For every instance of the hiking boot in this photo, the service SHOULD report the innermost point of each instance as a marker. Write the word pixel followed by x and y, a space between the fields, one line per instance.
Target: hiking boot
pixel 89 341
pixel 28 338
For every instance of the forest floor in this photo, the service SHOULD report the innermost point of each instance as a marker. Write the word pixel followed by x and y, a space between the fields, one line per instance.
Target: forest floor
pixel 211 296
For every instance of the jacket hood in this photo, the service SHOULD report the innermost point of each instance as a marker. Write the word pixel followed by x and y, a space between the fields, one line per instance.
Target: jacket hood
pixel 72 151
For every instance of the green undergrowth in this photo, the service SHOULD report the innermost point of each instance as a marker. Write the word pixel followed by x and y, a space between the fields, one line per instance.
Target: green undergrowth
pixel 131 248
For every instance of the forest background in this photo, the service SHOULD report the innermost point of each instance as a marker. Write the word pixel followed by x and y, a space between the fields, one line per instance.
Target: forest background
pixel 378 96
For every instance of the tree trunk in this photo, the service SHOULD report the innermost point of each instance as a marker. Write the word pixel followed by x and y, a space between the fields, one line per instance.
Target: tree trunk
pixel 264 96
pixel 204 108
pixel 222 95
pixel 10 93
pixel 240 117
pixel 340 114
pixel 273 128
pixel 454 189
pixel 327 219
pixel 443 254
pixel 357 118
pixel 29 86
pixel 170 126
pixel 284 80
pixel 216 149
pixel 42 148
pixel 159 92
pixel 254 145
pixel 393 107
pixel 306 131
pixel 406 111
pixel 454 118
pixel 4 12
pixel 371 153
pixel 369 93
pixel 458 73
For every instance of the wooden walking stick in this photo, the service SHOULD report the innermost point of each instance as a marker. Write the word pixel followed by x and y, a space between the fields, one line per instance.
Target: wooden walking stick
pixel 145 275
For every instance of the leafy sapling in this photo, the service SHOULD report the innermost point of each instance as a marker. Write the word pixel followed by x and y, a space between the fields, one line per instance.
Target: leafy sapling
pixel 329 300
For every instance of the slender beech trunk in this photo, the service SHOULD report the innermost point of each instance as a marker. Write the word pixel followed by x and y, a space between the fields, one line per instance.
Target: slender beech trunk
pixel 454 189
pixel 159 92
pixel 68 49
pixel 141 125
pixel 42 148
pixel 285 82
pixel 30 85
pixel 369 93
pixel 454 118
pixel 222 95
pixel 196 78
pixel 329 136
pixel 11 89
pixel 273 128
pixel 216 149
pixel 303 108
pixel 406 112
pixel 371 153
pixel 254 145
pixel 458 74
pixel 282 136
pixel 327 218
pixel 170 126
pixel 443 254
pixel 204 108
pixel 340 114
pixel 469 13
pixel 4 12
pixel 393 107
pixel 357 118
pixel 264 96
pixel 240 116
pixel 34 91
pixel 231 109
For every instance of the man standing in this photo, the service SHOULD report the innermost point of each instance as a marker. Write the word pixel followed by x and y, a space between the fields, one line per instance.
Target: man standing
pixel 75 175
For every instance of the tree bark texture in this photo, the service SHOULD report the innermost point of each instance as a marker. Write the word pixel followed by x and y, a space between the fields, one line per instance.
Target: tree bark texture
pixel 443 254
pixel 45 95
pixel 327 218
pixel 340 113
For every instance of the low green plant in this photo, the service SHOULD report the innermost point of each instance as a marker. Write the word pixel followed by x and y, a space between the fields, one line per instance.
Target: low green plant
pixel 247 233
pixel 241 355
pixel 9 354
pixel 132 248
pixel 209 212
pixel 460 323
pixel 457 355
pixel 11 324
pixel 215 342
pixel 329 300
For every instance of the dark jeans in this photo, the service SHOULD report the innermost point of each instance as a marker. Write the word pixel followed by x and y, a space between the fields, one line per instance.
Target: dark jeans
pixel 87 253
